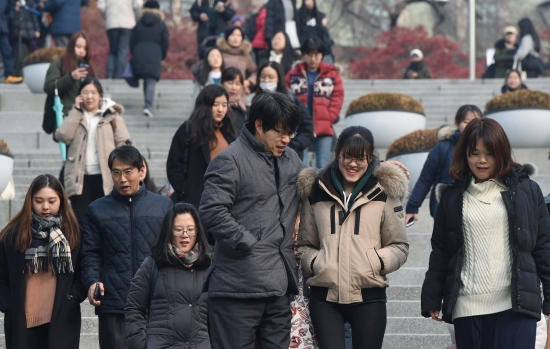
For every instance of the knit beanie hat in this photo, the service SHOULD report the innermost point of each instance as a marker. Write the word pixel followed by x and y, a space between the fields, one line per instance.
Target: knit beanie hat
pixel 416 52
pixel 151 4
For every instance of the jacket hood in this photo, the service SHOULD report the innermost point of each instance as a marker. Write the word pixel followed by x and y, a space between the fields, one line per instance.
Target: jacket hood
pixel 445 132
pixel 528 169
pixel 391 178
pixel 151 16
pixel 244 49
pixel 109 107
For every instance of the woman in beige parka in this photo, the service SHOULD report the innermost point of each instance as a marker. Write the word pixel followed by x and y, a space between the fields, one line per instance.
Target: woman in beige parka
pixel 93 128
pixel 352 234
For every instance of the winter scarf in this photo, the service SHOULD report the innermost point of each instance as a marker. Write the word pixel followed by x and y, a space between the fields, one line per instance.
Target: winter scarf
pixel 48 237
pixel 187 259
pixel 416 66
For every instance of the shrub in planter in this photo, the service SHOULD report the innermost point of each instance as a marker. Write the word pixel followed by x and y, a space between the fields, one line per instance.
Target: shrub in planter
pixel 36 66
pixel 6 165
pixel 525 117
pixel 388 115
pixel 419 140
pixel 412 150
pixel 385 101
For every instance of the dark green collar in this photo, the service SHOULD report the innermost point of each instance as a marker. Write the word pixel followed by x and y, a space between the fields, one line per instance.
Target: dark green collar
pixel 337 180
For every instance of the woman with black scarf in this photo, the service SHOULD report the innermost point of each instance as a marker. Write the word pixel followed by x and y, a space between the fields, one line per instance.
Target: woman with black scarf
pixel 40 289
pixel 417 69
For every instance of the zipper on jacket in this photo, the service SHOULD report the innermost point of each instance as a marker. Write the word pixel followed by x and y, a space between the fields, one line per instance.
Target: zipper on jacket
pixel 132 238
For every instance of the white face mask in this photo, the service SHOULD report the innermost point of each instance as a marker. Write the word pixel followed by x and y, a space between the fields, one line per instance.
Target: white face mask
pixel 270 86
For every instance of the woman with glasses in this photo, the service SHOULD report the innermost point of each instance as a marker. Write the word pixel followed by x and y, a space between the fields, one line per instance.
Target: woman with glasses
pixel 93 128
pixel 352 235
pixel 166 307
pixel 208 131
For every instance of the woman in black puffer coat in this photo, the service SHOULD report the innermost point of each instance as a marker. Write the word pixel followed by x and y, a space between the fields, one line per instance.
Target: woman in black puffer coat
pixel 175 315
pixel 481 276
pixel 149 46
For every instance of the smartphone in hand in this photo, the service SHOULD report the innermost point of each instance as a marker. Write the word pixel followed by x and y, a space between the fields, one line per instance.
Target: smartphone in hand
pixel 97 293
pixel 410 222
pixel 85 66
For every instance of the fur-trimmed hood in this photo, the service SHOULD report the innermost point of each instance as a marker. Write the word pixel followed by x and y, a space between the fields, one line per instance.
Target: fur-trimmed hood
pixel 244 49
pixel 528 169
pixel 392 179
pixel 445 132
pixel 153 12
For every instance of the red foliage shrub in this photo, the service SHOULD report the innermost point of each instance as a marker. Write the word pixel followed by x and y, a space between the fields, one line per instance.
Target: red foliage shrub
pixel 182 53
pixel 390 57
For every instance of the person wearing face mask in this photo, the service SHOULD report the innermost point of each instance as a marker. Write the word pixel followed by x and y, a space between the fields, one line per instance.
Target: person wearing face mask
pixel 233 80
pixel 271 77
pixel 67 73
pixel 352 235
pixel 436 167
pixel 207 72
pixel 236 53
pixel 512 82
pixel 175 310
pixel 119 231
pixel 40 289
pixel 92 130
pixel 417 69
pixel 207 132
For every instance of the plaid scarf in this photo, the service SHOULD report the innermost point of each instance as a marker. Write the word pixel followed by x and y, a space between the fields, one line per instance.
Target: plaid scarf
pixel 187 259
pixel 47 239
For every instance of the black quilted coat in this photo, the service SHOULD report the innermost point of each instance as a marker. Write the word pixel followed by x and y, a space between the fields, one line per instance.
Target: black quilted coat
pixel 179 309
pixel 118 234
pixel 529 240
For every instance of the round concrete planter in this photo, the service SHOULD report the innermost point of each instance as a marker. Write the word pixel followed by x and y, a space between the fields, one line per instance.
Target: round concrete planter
pixel 387 125
pixel 35 75
pixel 6 170
pixel 413 160
pixel 525 127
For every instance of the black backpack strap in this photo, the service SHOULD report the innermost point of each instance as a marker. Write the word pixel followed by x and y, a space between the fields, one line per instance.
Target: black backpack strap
pixel 186 150
pixel 152 285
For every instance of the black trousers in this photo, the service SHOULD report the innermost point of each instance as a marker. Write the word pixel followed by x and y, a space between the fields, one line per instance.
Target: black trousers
pixel 504 330
pixel 91 191
pixel 236 323
pixel 367 320
pixel 112 333
pixel 38 337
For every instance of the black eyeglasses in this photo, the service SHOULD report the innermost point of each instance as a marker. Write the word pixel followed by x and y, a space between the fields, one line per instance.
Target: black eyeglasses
pixel 283 134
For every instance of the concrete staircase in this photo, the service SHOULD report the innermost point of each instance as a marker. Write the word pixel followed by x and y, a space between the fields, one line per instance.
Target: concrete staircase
pixel 35 153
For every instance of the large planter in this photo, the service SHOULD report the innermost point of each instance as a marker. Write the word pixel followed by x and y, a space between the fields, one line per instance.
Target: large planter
pixel 525 127
pixel 35 76
pixel 387 125
pixel 413 160
pixel 6 170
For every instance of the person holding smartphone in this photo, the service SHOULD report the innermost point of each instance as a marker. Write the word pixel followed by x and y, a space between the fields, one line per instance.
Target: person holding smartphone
pixel 67 73
pixel 93 129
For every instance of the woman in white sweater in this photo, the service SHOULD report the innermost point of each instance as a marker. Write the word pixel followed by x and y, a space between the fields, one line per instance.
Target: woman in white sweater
pixel 490 246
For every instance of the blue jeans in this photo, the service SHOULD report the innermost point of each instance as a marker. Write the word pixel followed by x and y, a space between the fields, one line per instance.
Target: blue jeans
pixel 119 48
pixel 323 148
pixel 149 91
pixel 7 54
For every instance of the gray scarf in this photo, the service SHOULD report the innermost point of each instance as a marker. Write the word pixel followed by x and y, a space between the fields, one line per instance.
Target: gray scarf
pixel 187 259
pixel 47 239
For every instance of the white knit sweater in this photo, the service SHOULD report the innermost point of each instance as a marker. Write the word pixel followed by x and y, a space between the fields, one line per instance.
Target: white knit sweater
pixel 486 272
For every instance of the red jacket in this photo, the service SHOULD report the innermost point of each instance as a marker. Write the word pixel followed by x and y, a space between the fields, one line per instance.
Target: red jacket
pixel 259 42
pixel 328 95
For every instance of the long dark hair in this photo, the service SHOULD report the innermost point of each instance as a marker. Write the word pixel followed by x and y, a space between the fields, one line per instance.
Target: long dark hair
pixel 495 140
pixel 463 111
pixel 281 86
pixel 205 68
pixel 68 60
pixel 201 119
pixel 526 27
pixel 159 250
pixel 148 181
pixel 18 231
pixel 289 54
pixel 356 142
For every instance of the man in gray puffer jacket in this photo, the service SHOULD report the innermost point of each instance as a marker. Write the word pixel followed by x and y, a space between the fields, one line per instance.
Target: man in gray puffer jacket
pixel 250 205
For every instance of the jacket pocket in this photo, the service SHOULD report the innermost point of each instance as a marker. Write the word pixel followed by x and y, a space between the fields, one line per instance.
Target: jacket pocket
pixel 374 262
pixel 317 263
